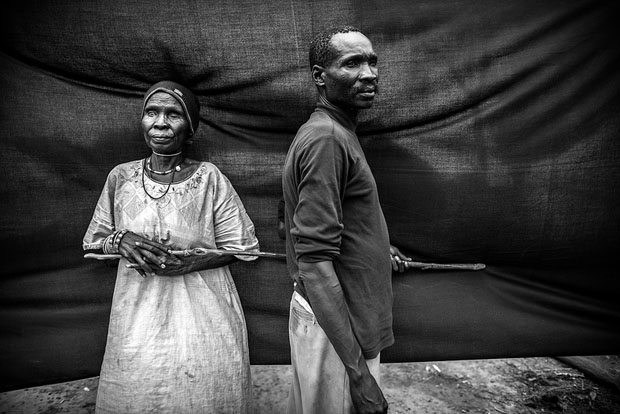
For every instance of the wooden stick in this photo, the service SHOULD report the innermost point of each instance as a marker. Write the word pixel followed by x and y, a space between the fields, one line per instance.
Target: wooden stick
pixel 99 256
pixel 446 266
pixel 195 252
pixel 199 251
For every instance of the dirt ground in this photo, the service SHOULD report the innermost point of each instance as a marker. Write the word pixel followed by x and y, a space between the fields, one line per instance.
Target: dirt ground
pixel 515 386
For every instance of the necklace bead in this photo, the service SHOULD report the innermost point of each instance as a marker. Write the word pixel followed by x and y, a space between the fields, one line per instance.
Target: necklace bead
pixel 148 167
pixel 167 155
pixel 146 163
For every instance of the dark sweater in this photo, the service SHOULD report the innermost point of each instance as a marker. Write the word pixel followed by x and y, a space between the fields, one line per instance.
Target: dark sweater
pixel 332 212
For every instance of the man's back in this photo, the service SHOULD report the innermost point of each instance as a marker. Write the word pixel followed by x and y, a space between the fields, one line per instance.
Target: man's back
pixel 332 212
pixel 338 248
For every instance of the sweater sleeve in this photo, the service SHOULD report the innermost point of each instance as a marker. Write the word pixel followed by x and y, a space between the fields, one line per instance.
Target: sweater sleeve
pixel 317 218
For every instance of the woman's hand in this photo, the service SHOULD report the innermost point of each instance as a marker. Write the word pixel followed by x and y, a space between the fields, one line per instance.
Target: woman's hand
pixel 186 264
pixel 152 258
pixel 148 255
pixel 181 265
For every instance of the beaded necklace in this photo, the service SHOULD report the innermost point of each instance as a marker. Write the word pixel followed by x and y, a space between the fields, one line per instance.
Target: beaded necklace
pixel 167 155
pixel 146 164
pixel 148 167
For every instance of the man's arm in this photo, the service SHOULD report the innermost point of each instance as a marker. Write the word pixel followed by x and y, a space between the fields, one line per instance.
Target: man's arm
pixel 327 301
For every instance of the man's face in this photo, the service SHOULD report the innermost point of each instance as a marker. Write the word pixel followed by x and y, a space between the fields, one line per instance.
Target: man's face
pixel 350 79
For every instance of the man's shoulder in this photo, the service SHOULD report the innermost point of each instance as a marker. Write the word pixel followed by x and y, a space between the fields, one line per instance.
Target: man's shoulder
pixel 318 127
pixel 319 119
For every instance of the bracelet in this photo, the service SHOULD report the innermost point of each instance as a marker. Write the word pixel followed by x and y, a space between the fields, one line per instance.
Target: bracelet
pixel 107 244
pixel 113 241
pixel 117 240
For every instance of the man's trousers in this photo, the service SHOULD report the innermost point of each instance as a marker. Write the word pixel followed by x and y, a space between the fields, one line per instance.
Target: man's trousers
pixel 320 383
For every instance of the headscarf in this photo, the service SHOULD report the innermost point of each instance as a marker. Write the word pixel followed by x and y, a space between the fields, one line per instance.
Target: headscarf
pixel 187 99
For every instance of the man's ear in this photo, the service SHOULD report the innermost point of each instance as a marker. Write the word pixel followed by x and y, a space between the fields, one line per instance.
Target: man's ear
pixel 317 75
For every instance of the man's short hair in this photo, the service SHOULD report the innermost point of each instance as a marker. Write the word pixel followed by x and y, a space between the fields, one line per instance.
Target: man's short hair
pixel 321 52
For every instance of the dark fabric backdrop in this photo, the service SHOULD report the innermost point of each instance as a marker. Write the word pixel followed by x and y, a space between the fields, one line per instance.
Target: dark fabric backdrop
pixel 495 139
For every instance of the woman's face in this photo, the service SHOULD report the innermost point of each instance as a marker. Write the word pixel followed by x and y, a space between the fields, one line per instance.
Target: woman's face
pixel 164 124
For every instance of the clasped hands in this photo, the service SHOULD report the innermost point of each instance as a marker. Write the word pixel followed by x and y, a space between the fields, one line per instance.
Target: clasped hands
pixel 152 258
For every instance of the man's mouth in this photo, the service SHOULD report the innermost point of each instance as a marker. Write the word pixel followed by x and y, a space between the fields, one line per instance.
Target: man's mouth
pixel 367 92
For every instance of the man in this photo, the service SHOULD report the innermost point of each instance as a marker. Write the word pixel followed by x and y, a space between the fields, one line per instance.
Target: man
pixel 338 250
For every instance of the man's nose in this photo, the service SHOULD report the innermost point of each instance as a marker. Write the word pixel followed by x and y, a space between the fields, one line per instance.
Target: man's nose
pixel 368 72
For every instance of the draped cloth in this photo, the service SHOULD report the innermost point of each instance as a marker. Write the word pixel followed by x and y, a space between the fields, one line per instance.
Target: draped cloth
pixel 175 344
pixel 494 139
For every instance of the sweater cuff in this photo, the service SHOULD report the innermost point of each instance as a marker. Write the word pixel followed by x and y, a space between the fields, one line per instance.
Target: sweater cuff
pixel 316 257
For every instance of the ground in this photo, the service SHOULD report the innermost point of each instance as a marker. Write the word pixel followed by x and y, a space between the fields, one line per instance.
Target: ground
pixel 515 386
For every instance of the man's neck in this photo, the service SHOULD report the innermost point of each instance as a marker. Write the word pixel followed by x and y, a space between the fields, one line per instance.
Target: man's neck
pixel 350 112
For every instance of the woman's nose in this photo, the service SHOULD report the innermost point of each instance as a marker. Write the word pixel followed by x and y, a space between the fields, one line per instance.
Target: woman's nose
pixel 160 120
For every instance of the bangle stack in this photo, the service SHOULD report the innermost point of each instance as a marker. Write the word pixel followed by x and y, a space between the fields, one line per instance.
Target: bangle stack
pixel 113 241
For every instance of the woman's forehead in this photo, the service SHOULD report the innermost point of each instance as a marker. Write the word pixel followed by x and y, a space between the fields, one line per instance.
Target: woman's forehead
pixel 162 98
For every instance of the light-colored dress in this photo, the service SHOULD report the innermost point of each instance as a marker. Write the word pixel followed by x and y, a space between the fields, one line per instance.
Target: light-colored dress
pixel 176 344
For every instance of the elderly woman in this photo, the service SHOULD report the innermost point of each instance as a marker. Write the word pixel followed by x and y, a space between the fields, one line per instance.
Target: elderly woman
pixel 177 340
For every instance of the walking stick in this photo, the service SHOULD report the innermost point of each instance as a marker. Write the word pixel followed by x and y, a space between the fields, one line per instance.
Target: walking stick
pixel 198 251
pixel 444 266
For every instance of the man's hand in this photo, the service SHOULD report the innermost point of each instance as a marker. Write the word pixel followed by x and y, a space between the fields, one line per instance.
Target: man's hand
pixel 399 260
pixel 366 395
pixel 327 300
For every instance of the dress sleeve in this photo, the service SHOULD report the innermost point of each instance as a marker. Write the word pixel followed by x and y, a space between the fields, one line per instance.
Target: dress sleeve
pixel 102 222
pixel 233 228
pixel 317 221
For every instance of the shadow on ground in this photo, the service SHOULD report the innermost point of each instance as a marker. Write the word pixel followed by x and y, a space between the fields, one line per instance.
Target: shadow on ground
pixel 515 386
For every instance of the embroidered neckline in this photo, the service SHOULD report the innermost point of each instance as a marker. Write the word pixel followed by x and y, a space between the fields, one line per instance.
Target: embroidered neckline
pixel 199 170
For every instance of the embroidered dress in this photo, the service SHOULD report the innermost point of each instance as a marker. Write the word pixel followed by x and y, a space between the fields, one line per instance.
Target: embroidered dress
pixel 176 344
